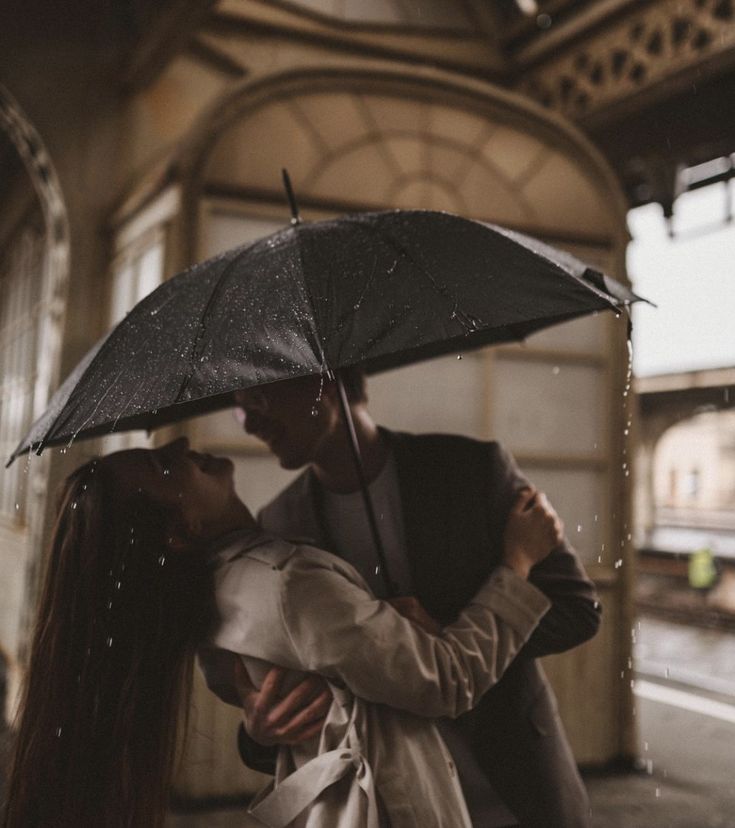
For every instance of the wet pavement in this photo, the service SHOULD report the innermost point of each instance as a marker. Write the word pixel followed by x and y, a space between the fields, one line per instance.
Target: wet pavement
pixel 685 691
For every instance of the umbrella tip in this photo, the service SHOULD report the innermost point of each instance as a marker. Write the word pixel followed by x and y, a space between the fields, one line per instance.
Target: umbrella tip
pixel 295 217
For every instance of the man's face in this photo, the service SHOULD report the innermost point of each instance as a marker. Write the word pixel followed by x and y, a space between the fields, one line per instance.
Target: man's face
pixel 292 418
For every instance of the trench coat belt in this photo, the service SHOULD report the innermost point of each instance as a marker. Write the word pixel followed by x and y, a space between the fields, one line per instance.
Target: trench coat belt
pixel 278 805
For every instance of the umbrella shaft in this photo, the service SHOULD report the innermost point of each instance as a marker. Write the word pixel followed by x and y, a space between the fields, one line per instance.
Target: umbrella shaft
pixel 360 469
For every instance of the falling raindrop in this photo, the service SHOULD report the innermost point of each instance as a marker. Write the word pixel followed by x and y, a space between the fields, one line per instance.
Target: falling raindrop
pixel 618 563
pixel 58 732
pixel 73 504
pixel 649 767
pixel 658 793
pixel 314 411
pixel 459 356
pixel 109 641
pixel 555 370
pixel 579 527
pixel 166 472
pixel 377 570
pixel 118 585
pixel 162 560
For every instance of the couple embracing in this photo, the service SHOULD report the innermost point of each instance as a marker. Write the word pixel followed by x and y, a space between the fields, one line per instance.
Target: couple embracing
pixel 425 710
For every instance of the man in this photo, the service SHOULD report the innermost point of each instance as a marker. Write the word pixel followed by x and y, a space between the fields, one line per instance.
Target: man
pixel 442 502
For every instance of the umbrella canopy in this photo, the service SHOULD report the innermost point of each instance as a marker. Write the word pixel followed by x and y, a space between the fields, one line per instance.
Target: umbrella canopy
pixel 379 289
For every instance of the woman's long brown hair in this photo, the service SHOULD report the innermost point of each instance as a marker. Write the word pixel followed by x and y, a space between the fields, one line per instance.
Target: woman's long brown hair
pixel 110 665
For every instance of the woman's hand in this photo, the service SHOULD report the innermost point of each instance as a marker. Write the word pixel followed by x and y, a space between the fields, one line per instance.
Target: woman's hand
pixel 532 531
pixel 271 719
pixel 411 608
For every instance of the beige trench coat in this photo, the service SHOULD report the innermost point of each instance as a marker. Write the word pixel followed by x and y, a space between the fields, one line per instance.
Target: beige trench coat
pixel 379 759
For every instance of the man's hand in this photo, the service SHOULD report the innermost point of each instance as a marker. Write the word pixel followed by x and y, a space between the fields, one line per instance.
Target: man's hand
pixel 270 719
pixel 532 531
pixel 411 608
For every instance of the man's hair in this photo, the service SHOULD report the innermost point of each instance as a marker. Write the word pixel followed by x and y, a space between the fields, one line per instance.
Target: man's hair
pixel 354 382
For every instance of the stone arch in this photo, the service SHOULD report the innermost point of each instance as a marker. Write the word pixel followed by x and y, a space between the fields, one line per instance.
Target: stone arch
pixel 40 170
pixel 517 162
pixel 658 415
pixel 53 275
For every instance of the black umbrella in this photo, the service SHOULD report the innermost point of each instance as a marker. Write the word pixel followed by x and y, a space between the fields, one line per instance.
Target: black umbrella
pixel 379 289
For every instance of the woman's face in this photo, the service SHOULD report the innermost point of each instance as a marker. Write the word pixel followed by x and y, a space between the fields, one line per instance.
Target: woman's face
pixel 200 486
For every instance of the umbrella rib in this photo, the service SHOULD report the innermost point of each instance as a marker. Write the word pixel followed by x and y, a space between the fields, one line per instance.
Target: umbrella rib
pixel 201 327
pixel 312 305
pixel 466 319
pixel 94 410
pixel 42 442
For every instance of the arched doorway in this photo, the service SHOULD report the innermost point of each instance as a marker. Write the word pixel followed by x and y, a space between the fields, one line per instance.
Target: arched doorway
pixel 33 277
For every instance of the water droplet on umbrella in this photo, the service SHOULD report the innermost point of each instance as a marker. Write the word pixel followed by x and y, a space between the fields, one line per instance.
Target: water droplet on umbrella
pixel 459 356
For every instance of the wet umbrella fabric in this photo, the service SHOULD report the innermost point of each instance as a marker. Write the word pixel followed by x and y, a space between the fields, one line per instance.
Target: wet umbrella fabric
pixel 378 289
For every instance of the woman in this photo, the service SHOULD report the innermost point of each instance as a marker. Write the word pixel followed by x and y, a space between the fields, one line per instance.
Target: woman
pixel 127 599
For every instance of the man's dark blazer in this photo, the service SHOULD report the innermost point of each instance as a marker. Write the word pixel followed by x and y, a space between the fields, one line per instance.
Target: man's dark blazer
pixel 456 494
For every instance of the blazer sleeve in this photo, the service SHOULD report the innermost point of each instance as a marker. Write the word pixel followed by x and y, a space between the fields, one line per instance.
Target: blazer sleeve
pixel 339 630
pixel 575 612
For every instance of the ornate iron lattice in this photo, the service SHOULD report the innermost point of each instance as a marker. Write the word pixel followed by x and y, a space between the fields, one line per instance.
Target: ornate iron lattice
pixel 648 47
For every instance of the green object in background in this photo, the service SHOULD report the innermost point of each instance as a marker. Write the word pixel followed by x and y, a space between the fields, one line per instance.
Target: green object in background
pixel 702 569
